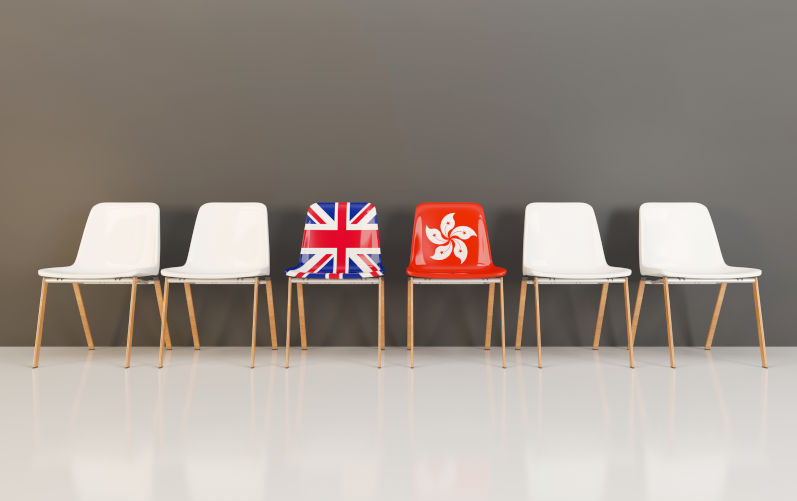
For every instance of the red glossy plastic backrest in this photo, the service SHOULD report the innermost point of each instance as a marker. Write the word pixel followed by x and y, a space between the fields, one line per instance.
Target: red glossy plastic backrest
pixel 450 238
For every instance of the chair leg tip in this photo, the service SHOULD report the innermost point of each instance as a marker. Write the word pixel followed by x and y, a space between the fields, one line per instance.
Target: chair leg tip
pixel 596 348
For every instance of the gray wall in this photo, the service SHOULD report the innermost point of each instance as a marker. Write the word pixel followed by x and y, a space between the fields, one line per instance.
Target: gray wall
pixel 503 102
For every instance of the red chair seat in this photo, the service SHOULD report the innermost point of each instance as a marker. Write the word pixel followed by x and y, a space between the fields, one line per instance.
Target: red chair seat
pixel 450 242
pixel 482 272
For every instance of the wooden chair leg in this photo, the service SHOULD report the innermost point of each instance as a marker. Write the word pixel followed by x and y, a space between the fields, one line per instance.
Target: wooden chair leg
pixel 640 292
pixel 520 313
pixel 272 321
pixel 164 311
pixel 40 323
pixel 189 301
pixel 669 321
pixel 599 322
pixel 537 312
pixel 760 324
pixel 488 332
pixel 503 326
pixel 379 324
pixel 384 325
pixel 83 318
pixel 302 326
pixel 133 289
pixel 159 298
pixel 254 322
pixel 288 326
pixel 409 314
pixel 716 315
pixel 628 323
pixel 411 322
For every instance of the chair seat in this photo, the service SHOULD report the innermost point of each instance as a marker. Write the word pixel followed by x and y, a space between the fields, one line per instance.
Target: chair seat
pixel 720 272
pixel 73 272
pixel 480 272
pixel 193 272
pixel 575 274
pixel 296 273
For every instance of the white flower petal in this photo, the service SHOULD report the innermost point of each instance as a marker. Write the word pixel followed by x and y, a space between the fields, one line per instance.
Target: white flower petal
pixel 447 223
pixel 443 251
pixel 460 249
pixel 434 235
pixel 463 232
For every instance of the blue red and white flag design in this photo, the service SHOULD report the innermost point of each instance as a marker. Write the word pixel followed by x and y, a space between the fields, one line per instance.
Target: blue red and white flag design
pixel 341 240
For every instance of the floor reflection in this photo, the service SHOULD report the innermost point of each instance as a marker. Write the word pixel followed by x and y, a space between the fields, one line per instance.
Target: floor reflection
pixel 456 427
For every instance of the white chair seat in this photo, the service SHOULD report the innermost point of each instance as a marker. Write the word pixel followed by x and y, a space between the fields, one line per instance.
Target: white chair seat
pixel 576 274
pixel 74 272
pixel 201 273
pixel 718 272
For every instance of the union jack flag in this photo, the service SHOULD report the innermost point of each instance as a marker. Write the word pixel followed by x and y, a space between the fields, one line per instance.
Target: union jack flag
pixel 341 240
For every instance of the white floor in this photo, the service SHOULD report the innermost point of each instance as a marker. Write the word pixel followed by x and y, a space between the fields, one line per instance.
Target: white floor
pixel 585 427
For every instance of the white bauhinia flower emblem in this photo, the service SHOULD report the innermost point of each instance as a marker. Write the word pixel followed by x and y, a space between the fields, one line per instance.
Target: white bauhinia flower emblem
pixel 450 239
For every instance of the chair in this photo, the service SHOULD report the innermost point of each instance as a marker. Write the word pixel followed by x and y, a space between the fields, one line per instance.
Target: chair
pixel 120 245
pixel 562 246
pixel 450 246
pixel 340 246
pixel 229 246
pixel 678 245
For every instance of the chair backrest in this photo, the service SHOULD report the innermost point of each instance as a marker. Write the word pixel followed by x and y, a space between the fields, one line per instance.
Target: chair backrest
pixel 450 238
pixel 561 236
pixel 122 237
pixel 231 236
pixel 341 240
pixel 676 235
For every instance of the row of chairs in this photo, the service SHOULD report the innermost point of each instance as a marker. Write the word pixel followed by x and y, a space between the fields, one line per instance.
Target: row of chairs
pixel 561 246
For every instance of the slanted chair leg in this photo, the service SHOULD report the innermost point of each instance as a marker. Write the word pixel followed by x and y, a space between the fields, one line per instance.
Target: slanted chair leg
pixel 669 321
pixel 83 318
pixel 380 323
pixel 488 333
pixel 40 324
pixel 254 322
pixel 628 323
pixel 164 311
pixel 537 312
pixel 271 320
pixel 503 327
pixel 599 322
pixel 716 315
pixel 520 312
pixel 640 292
pixel 133 289
pixel 288 327
pixel 189 301
pixel 760 324
pixel 411 322
pixel 159 298
pixel 302 326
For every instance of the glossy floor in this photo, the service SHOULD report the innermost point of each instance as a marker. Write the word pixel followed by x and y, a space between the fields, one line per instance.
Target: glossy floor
pixel 456 427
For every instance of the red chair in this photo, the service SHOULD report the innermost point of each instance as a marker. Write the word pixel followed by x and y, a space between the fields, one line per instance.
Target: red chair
pixel 450 246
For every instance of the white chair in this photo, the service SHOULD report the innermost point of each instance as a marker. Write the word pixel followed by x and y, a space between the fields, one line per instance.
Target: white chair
pixel 229 246
pixel 678 245
pixel 562 246
pixel 120 245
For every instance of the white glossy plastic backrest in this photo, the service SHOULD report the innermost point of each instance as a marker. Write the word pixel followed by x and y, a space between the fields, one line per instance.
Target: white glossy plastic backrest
pixel 677 235
pixel 122 236
pixel 561 236
pixel 230 236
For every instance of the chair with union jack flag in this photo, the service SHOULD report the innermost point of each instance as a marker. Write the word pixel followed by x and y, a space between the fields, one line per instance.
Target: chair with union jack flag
pixel 450 246
pixel 340 246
